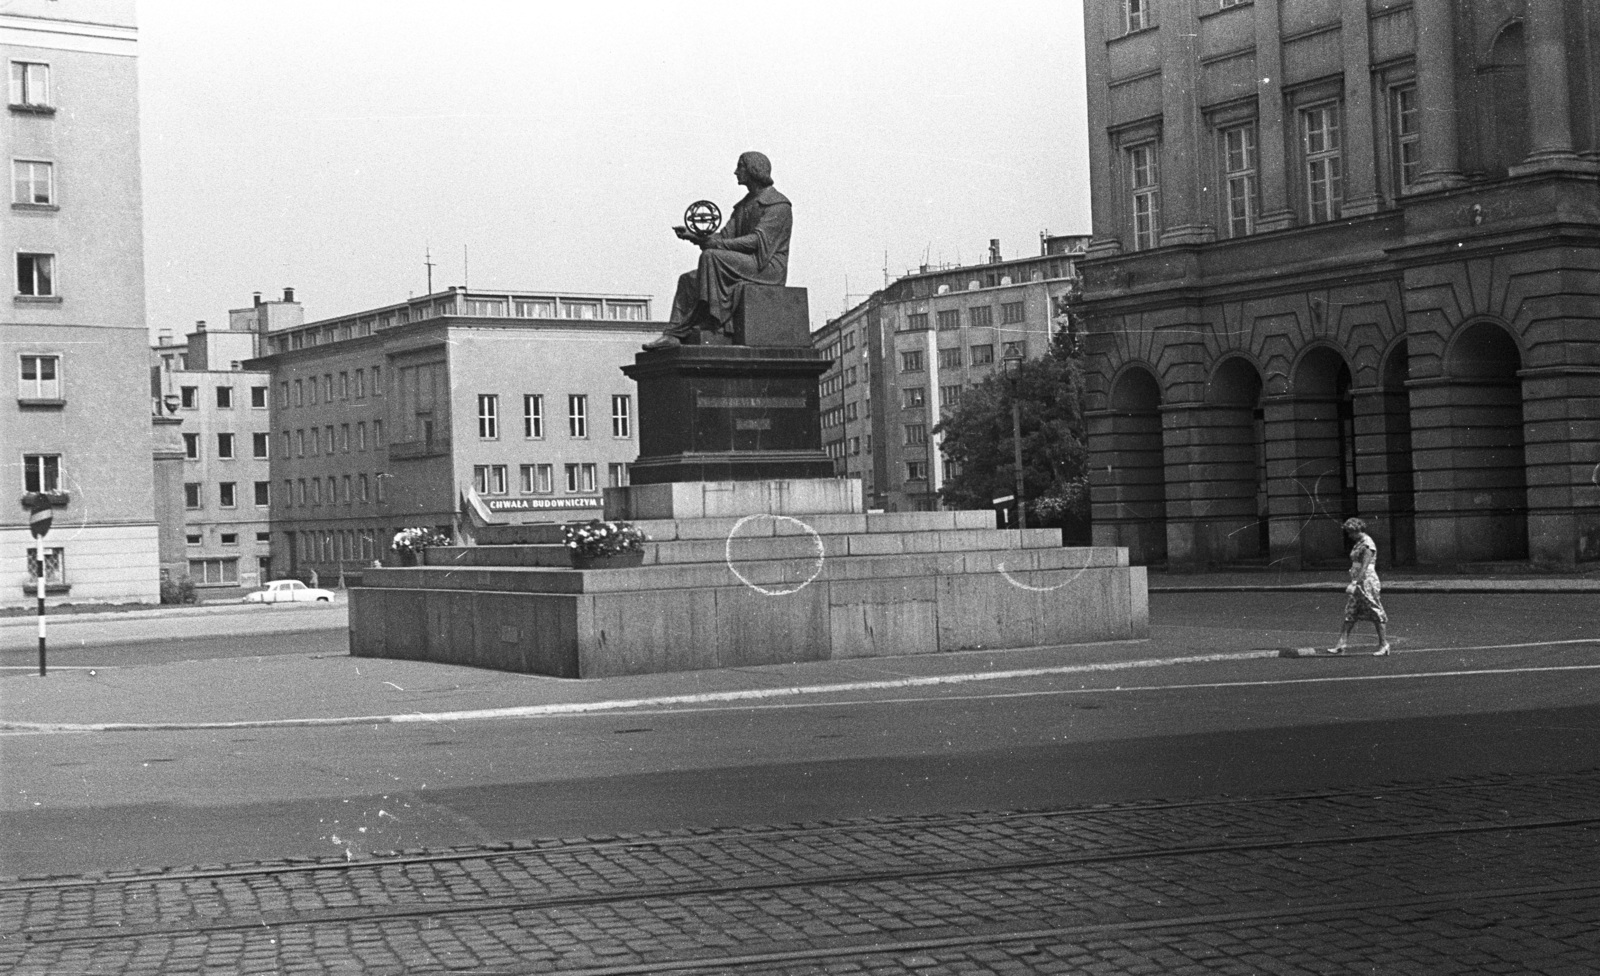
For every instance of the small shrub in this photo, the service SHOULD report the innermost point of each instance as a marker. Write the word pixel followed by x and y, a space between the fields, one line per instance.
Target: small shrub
pixel 180 590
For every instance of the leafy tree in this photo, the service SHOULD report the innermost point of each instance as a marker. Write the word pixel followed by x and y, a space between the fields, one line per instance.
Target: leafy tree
pixel 977 439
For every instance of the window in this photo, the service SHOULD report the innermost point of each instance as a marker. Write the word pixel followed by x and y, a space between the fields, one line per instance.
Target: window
pixel 55 566
pixel 621 415
pixel 36 275
pixel 348 495
pixel 302 494
pixel 225 446
pixel 489 479
pixel 191 446
pixel 1324 161
pixel 982 355
pixel 283 393
pixel 316 441
pixel 1239 178
pixel 377 385
pixel 949 395
pixel 258 445
pixel 916 434
pixel 981 317
pixel 912 396
pixel 1407 136
pixel 30 84
pixel 263 494
pixel 41 378
pixel 214 572
pixel 533 415
pixel 316 491
pixel 949 320
pixel 288 493
pixel 32 182
pixel 361 384
pixel 911 362
pixel 327 387
pixel 300 443
pixel 617 475
pixel 378 488
pixel 230 538
pixel 572 477
pixel 377 433
pixel 227 494
pixel 916 471
pixel 590 474
pixel 1144 182
pixel 917 322
pixel 1225 4
pixel 311 391
pixel 1135 14
pixel 225 397
pixel 950 358
pixel 344 438
pixel 191 494
pixel 578 415
pixel 41 472
pixel 361 436
pixel 344 384
pixel 329 431
pixel 537 479
pixel 192 538
pixel 299 392
pixel 264 537
pixel 258 397
pixel 189 397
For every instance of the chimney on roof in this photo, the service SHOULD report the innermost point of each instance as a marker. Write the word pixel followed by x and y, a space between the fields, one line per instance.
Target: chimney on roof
pixel 994 250
pixel 199 325
pixel 258 298
pixel 288 294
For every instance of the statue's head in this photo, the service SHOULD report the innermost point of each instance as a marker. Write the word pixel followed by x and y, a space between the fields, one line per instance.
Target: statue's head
pixel 754 170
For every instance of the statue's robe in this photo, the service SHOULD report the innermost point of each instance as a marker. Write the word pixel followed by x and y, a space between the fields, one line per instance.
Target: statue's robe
pixel 753 246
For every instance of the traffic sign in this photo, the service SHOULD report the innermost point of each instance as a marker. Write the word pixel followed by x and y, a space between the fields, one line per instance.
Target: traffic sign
pixel 41 512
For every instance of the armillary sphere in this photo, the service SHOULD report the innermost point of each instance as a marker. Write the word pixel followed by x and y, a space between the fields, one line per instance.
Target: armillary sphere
pixel 702 217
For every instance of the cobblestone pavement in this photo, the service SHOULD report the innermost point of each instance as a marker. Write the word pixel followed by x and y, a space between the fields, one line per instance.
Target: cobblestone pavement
pixel 1480 875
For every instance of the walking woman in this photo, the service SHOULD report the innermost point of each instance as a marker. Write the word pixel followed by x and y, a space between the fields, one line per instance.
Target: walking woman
pixel 1365 593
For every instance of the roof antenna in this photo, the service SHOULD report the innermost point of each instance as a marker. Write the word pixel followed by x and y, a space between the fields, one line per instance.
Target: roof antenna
pixel 427 259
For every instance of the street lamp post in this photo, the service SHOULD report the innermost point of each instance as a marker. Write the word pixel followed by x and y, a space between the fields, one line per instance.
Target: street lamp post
pixel 1012 364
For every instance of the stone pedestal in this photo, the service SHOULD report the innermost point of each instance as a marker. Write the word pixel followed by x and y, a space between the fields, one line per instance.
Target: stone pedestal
pixel 728 413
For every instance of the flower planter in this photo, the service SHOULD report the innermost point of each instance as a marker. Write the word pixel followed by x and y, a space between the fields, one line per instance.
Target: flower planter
pixel 407 558
pixel 620 560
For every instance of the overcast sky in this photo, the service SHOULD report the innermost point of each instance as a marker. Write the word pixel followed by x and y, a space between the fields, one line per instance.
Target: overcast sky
pixel 325 145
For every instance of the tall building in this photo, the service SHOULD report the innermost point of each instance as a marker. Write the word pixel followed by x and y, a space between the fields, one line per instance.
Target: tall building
pixel 386 419
pixel 1344 263
pixel 73 334
pixel 906 354
pixel 226 434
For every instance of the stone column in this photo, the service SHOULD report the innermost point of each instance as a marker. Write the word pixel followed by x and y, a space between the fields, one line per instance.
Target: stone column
pixel 1436 93
pixel 1360 158
pixel 1275 211
pixel 1184 218
pixel 1549 98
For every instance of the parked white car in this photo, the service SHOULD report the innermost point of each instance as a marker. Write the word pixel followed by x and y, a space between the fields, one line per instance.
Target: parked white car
pixel 289 591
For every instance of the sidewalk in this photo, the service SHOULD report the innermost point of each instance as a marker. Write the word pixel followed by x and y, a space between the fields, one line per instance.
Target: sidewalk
pixel 1394 581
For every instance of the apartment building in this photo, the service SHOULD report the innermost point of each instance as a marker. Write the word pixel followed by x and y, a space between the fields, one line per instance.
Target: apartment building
pixel 387 418
pixel 1344 263
pixel 904 356
pixel 73 331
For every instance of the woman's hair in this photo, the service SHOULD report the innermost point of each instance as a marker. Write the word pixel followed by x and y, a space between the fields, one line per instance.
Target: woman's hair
pixel 1354 525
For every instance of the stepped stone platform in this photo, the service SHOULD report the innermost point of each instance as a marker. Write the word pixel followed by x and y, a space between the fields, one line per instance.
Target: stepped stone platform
pixel 760 589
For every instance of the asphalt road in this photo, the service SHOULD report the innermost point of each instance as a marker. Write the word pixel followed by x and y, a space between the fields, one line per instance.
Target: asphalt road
pixel 76 803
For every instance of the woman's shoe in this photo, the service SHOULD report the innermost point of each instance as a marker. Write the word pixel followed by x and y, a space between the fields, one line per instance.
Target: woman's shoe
pixel 1339 649
pixel 1382 651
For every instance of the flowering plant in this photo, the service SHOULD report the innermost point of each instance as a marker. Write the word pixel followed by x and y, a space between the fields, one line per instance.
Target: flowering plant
pixel 414 540
pixel 597 538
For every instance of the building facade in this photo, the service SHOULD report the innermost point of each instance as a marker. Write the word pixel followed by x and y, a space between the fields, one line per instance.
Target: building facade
pixel 224 412
pixel 1344 263
pixel 387 419
pixel 905 355
pixel 73 332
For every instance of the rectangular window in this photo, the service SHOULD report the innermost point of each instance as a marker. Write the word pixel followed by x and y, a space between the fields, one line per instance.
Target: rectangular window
pixel 617 475
pixel 1012 313
pixel 258 397
pixel 230 538
pixel 378 481
pixel 917 322
pixel 590 475
pixel 225 397
pixel 577 415
pixel 1144 182
pixel 344 438
pixel 950 320
pixel 227 494
pixel 189 397
pixel 361 436
pixel 1324 161
pixel 316 441
pixel 288 493
pixel 1239 178
pixel 316 491
pixel 214 572
pixel 299 389
pixel 916 471
pixel 912 396
pixel 191 494
pixel 327 387
pixel 344 384
pixel 345 484
pixel 303 494
pixel 36 275
pixel 572 478
pixel 377 381
pixel 621 415
pixel 489 479
pixel 911 362
pixel 361 384
pixel 948 396
pixel 263 494
pixel 41 472
pixel 55 566
pixel 1407 136
pixel 191 446
pixel 916 434
pixel 1135 15
pixel 30 83
pixel 981 317
pixel 40 378
pixel 300 443
pixel 488 416
pixel 982 355
pixel 377 433
pixel 259 445
pixel 533 415
pixel 32 182
pixel 225 446
pixel 950 358
pixel 311 391
pixel 329 431
pixel 283 393
pixel 536 479
pixel 364 488
pixel 192 538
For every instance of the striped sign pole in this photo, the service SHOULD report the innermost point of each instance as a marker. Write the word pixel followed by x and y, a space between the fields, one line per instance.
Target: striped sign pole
pixel 41 514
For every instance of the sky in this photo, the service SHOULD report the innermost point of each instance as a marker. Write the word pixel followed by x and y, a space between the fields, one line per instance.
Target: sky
pixel 534 146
